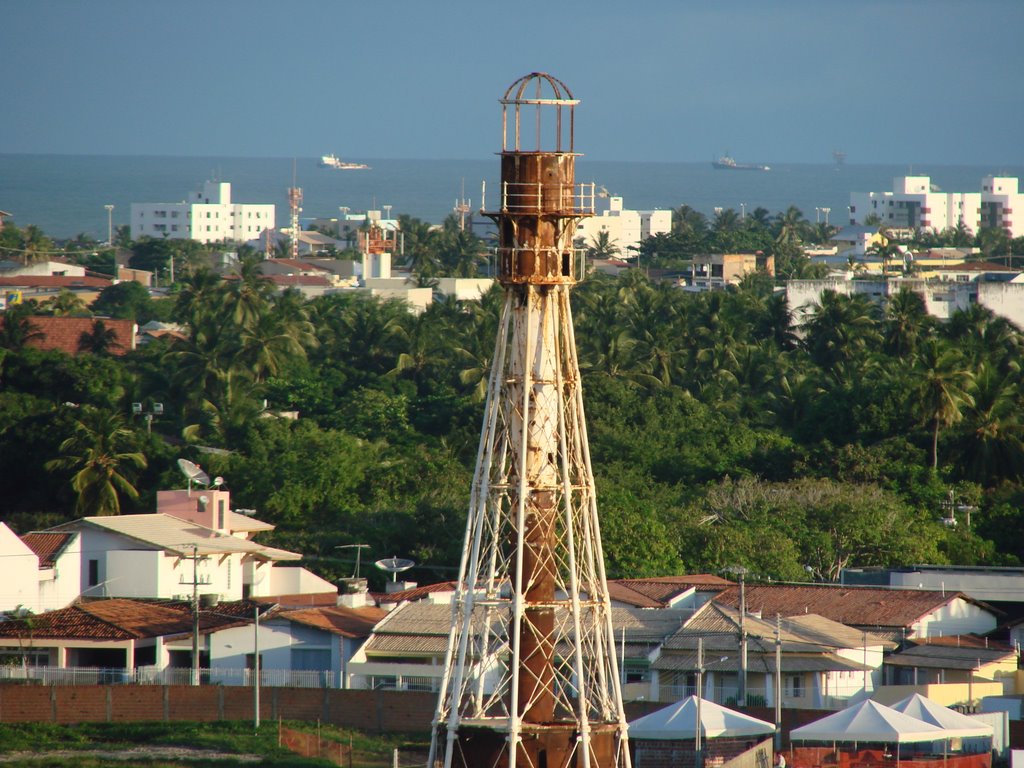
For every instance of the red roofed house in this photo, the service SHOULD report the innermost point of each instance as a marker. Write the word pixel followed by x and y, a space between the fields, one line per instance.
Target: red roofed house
pixel 309 647
pixel 899 614
pixel 70 334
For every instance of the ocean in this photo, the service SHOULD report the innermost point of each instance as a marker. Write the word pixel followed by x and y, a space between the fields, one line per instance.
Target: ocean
pixel 65 195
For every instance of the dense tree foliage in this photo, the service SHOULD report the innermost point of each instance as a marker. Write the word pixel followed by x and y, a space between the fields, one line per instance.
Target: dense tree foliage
pixel 721 435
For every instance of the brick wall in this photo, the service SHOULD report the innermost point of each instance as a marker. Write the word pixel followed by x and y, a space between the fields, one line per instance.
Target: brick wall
pixel 373 711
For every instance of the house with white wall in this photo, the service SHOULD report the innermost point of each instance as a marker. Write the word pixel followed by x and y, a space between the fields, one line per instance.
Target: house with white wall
pixel 20 588
pixel 208 215
pixel 60 567
pixel 195 541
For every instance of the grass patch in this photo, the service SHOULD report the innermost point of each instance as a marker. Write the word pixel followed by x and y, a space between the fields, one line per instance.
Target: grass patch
pixel 40 740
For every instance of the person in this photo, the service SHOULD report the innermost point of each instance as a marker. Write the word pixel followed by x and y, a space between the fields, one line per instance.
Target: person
pixel 780 760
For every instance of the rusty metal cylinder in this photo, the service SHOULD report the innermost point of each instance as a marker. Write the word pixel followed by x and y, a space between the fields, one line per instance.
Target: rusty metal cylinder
pixel 538 218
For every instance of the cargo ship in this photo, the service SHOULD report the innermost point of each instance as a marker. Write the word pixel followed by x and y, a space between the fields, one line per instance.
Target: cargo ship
pixel 726 163
pixel 333 161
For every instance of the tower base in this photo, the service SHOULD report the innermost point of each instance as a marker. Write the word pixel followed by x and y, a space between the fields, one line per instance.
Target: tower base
pixel 541 746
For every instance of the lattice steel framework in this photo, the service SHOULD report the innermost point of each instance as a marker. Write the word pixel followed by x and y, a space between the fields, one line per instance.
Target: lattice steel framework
pixel 530 677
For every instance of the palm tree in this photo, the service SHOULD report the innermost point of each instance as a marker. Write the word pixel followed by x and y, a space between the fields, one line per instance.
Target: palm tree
pixel 991 442
pixel 602 247
pixel 907 321
pixel 99 451
pixel 941 389
pixel 65 304
pixel 840 328
pixel 17 328
pixel 99 341
pixel 246 297
pixel 790 227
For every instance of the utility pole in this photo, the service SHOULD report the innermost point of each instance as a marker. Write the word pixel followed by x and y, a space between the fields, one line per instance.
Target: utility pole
pixel 194 678
pixel 697 746
pixel 778 682
pixel 256 669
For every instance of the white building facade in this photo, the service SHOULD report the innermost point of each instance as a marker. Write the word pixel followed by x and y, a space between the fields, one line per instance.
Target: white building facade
pixel 208 216
pixel 914 203
pixel 626 228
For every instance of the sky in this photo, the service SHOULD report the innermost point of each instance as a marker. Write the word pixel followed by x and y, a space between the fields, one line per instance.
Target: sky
pixel 900 81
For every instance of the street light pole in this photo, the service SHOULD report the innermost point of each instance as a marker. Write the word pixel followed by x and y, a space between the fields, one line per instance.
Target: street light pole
pixel 110 237
pixel 195 615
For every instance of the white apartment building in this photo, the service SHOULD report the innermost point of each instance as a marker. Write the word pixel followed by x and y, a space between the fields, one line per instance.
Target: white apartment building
pixel 208 216
pixel 1002 204
pixel 915 204
pixel 626 228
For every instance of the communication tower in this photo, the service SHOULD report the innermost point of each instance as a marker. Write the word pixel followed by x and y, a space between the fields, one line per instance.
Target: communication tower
pixel 530 677
pixel 295 205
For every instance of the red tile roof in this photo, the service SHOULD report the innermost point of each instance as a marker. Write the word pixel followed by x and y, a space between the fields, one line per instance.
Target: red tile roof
pixel 46 546
pixel 416 593
pixel 286 280
pixel 114 619
pixel 339 620
pixel 64 333
pixel 853 606
pixel 54 281
pixel 659 591
pixel 294 601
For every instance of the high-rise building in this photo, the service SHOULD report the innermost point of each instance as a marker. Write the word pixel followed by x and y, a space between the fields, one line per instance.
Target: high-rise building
pixel 208 216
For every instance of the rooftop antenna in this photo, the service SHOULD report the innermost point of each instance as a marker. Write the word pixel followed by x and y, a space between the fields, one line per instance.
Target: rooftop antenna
pixel 359 551
pixel 193 473
pixel 394 566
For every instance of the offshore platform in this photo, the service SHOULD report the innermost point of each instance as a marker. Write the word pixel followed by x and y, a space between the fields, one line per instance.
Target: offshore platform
pixel 530 677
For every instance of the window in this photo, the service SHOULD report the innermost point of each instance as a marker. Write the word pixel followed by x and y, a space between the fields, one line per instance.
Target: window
pixel 94 572
pixel 311 658
pixel 795 686
pixel 220 513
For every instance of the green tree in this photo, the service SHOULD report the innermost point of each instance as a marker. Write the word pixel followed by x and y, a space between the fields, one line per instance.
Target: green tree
pixel 99 451
pixel 100 340
pixel 940 389
pixel 126 300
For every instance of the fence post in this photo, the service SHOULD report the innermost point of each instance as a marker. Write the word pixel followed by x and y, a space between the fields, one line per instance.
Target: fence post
pixel 53 703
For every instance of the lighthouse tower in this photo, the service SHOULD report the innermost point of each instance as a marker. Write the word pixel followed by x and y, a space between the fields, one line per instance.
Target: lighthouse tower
pixel 530 677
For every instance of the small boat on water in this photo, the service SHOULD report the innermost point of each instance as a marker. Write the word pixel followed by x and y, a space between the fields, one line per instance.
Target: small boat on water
pixel 726 163
pixel 333 161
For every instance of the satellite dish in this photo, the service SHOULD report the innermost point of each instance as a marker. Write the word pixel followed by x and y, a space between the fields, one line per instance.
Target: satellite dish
pixel 193 473
pixel 218 481
pixel 394 565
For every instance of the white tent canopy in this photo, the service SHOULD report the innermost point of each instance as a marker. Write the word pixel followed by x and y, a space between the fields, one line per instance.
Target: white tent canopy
pixel 679 721
pixel 951 721
pixel 869 721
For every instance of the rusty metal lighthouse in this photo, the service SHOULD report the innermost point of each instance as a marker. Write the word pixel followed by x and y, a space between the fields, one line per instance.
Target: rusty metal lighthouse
pixel 530 678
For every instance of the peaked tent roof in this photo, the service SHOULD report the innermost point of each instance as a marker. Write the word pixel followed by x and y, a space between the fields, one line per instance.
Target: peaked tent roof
pixel 679 721
pixel 868 721
pixel 954 723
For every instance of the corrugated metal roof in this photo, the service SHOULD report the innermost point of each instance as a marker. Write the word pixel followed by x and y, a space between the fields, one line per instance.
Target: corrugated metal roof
pixel 947 657
pixel 177 536
pixel 758 663
pixel 423 628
